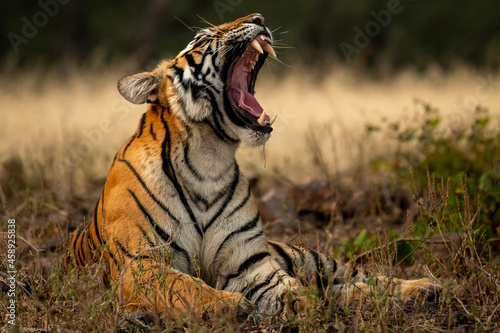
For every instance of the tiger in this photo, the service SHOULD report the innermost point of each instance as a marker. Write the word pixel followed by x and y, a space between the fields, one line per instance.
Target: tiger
pixel 175 193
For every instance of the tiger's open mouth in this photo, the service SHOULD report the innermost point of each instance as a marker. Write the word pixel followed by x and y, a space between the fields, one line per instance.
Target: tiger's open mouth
pixel 240 84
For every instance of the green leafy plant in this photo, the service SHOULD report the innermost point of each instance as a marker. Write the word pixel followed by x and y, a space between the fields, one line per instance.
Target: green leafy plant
pixel 450 151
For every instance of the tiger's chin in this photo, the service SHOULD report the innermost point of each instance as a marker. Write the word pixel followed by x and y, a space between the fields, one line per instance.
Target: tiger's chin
pixel 254 138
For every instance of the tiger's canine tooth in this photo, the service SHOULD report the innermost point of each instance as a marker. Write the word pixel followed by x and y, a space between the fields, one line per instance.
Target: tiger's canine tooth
pixel 257 46
pixel 269 49
pixel 273 119
pixel 262 118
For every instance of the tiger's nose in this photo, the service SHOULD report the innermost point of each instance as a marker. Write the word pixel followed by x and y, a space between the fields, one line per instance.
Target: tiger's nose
pixel 258 19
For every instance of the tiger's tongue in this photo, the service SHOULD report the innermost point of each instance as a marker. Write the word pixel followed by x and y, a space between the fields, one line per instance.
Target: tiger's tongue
pixel 246 101
pixel 239 89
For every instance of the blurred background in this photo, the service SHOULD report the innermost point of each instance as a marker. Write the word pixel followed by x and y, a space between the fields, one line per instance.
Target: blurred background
pixel 415 34
pixel 350 78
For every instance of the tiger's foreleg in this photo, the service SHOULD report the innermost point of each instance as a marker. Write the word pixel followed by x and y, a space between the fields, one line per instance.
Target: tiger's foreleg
pixel 346 282
pixel 307 265
pixel 146 284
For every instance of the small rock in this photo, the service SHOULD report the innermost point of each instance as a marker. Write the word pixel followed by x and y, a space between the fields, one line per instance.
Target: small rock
pixel 316 197
pixel 274 206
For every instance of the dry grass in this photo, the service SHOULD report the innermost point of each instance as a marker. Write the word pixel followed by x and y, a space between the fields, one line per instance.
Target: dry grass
pixel 60 135
pixel 41 110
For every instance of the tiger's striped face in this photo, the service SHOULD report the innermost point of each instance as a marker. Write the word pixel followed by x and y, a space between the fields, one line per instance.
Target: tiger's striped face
pixel 212 81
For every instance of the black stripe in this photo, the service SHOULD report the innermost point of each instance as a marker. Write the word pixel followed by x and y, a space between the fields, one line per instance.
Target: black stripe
pixel 204 203
pixel 259 286
pixel 266 290
pixel 103 214
pixel 168 169
pixel 128 145
pixel 192 63
pixel 127 252
pixel 208 84
pixel 96 226
pixel 284 256
pixel 92 246
pixel 192 86
pixel 153 134
pixel 301 253
pixel 222 173
pixel 197 198
pixel 319 268
pixel 203 77
pixel 148 191
pixel 159 230
pixel 228 198
pixel 144 233
pixel 162 233
pixel 243 203
pixel 142 124
pixel 217 114
pixel 190 165
pixel 251 224
pixel 76 249
pixel 81 253
pixel 214 59
pixel 114 159
pixel 123 249
pixel 212 127
pixel 77 237
pixel 171 294
pixel 245 265
pixel 257 235
pixel 118 259
pixel 112 258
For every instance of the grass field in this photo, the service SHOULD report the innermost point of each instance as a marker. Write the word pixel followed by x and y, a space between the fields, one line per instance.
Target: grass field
pixel 407 181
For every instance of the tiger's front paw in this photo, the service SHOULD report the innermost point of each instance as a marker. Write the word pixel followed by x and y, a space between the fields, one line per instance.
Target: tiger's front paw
pixel 425 289
pixel 236 302
pixel 292 305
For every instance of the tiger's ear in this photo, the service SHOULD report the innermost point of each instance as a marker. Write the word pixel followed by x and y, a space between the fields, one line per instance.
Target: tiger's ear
pixel 139 88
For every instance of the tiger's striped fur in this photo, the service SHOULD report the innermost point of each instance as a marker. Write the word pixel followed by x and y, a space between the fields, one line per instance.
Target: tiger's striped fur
pixel 175 191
